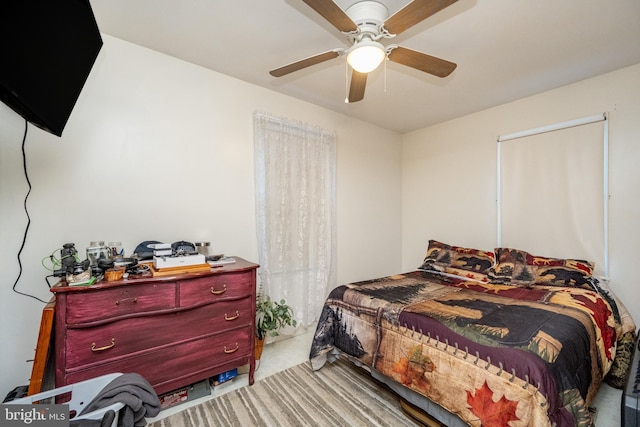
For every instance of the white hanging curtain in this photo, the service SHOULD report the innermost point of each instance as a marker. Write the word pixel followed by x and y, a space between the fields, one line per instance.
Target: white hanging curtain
pixel 295 173
pixel 552 191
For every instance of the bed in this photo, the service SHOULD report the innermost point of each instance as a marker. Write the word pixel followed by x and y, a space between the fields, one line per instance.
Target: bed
pixel 484 338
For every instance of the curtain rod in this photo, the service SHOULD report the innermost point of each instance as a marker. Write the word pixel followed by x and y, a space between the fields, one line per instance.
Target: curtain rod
pixel 557 126
pixel 293 124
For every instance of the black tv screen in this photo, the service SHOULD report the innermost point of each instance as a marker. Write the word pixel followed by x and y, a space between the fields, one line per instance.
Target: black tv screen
pixel 47 49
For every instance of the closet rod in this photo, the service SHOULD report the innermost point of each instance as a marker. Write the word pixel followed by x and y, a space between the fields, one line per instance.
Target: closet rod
pixel 563 125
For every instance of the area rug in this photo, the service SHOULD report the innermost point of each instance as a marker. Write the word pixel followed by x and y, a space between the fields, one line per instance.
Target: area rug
pixel 339 394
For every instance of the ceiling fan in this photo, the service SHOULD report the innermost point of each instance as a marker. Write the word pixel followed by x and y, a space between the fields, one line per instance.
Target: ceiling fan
pixel 365 23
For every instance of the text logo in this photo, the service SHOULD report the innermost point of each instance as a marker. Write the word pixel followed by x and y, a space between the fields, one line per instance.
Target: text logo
pixel 34 415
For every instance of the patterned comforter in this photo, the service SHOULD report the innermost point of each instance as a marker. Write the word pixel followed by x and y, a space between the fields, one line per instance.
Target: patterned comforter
pixel 495 355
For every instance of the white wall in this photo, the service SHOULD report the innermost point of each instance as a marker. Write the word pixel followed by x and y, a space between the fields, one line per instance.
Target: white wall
pixel 159 149
pixel 449 172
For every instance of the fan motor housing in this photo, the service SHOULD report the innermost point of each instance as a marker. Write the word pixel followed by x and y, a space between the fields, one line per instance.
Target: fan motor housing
pixel 368 16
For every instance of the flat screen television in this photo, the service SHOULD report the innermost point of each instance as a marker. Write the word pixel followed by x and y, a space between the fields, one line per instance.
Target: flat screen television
pixel 47 49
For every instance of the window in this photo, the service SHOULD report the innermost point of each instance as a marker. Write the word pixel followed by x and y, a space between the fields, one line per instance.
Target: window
pixel 295 169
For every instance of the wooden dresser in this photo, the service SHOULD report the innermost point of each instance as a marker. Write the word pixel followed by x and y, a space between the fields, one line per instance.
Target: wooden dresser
pixel 173 330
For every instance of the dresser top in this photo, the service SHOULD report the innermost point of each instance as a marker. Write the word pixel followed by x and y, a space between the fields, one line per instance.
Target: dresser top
pixel 239 266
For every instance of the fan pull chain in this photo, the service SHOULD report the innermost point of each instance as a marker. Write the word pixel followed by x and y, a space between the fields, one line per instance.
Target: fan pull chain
pixel 346 82
pixel 385 74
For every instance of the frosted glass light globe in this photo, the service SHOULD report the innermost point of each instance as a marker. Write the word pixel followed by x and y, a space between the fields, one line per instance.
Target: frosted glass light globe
pixel 366 56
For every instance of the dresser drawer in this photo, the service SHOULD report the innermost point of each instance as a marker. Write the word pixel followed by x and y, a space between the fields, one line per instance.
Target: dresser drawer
pixel 169 367
pixel 125 337
pixel 174 331
pixel 99 304
pixel 215 288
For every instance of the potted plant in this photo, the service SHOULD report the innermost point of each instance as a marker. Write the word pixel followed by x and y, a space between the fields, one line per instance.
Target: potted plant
pixel 271 316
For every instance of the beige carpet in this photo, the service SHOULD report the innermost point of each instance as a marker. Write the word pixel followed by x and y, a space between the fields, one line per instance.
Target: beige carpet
pixel 339 394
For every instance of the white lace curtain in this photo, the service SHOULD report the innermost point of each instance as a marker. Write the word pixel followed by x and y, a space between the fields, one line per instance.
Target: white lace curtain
pixel 295 173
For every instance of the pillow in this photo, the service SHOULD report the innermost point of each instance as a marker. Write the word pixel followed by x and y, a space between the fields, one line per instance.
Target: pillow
pixel 466 262
pixel 520 268
pixel 511 268
pixel 619 371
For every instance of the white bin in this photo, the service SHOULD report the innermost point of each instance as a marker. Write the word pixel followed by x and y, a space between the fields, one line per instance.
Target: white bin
pixel 82 393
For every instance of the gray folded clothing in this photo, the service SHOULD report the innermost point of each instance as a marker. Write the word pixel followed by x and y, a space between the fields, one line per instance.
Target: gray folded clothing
pixel 132 390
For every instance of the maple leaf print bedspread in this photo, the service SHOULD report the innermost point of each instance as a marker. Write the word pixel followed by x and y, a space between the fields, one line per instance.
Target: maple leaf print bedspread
pixel 495 355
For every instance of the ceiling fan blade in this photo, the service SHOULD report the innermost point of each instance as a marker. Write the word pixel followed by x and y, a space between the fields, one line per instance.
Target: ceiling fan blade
pixel 422 61
pixel 304 63
pixel 356 88
pixel 413 13
pixel 333 13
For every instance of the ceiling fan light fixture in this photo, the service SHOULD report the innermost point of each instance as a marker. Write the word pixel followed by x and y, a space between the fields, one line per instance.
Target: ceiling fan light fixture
pixel 366 56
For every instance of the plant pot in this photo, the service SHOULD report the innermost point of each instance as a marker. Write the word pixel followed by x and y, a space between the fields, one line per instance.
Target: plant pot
pixel 258 348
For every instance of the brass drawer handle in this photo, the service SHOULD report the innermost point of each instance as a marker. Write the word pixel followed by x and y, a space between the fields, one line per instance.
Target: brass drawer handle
pixel 106 347
pixel 232 317
pixel 126 299
pixel 232 350
pixel 224 289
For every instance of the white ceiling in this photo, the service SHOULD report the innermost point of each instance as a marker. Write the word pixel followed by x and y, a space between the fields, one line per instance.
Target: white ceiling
pixel 505 49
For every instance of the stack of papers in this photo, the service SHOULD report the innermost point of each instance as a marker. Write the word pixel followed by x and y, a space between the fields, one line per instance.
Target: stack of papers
pixel 222 261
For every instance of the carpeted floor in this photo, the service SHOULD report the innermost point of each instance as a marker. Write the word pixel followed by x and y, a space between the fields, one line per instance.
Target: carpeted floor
pixel 336 395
